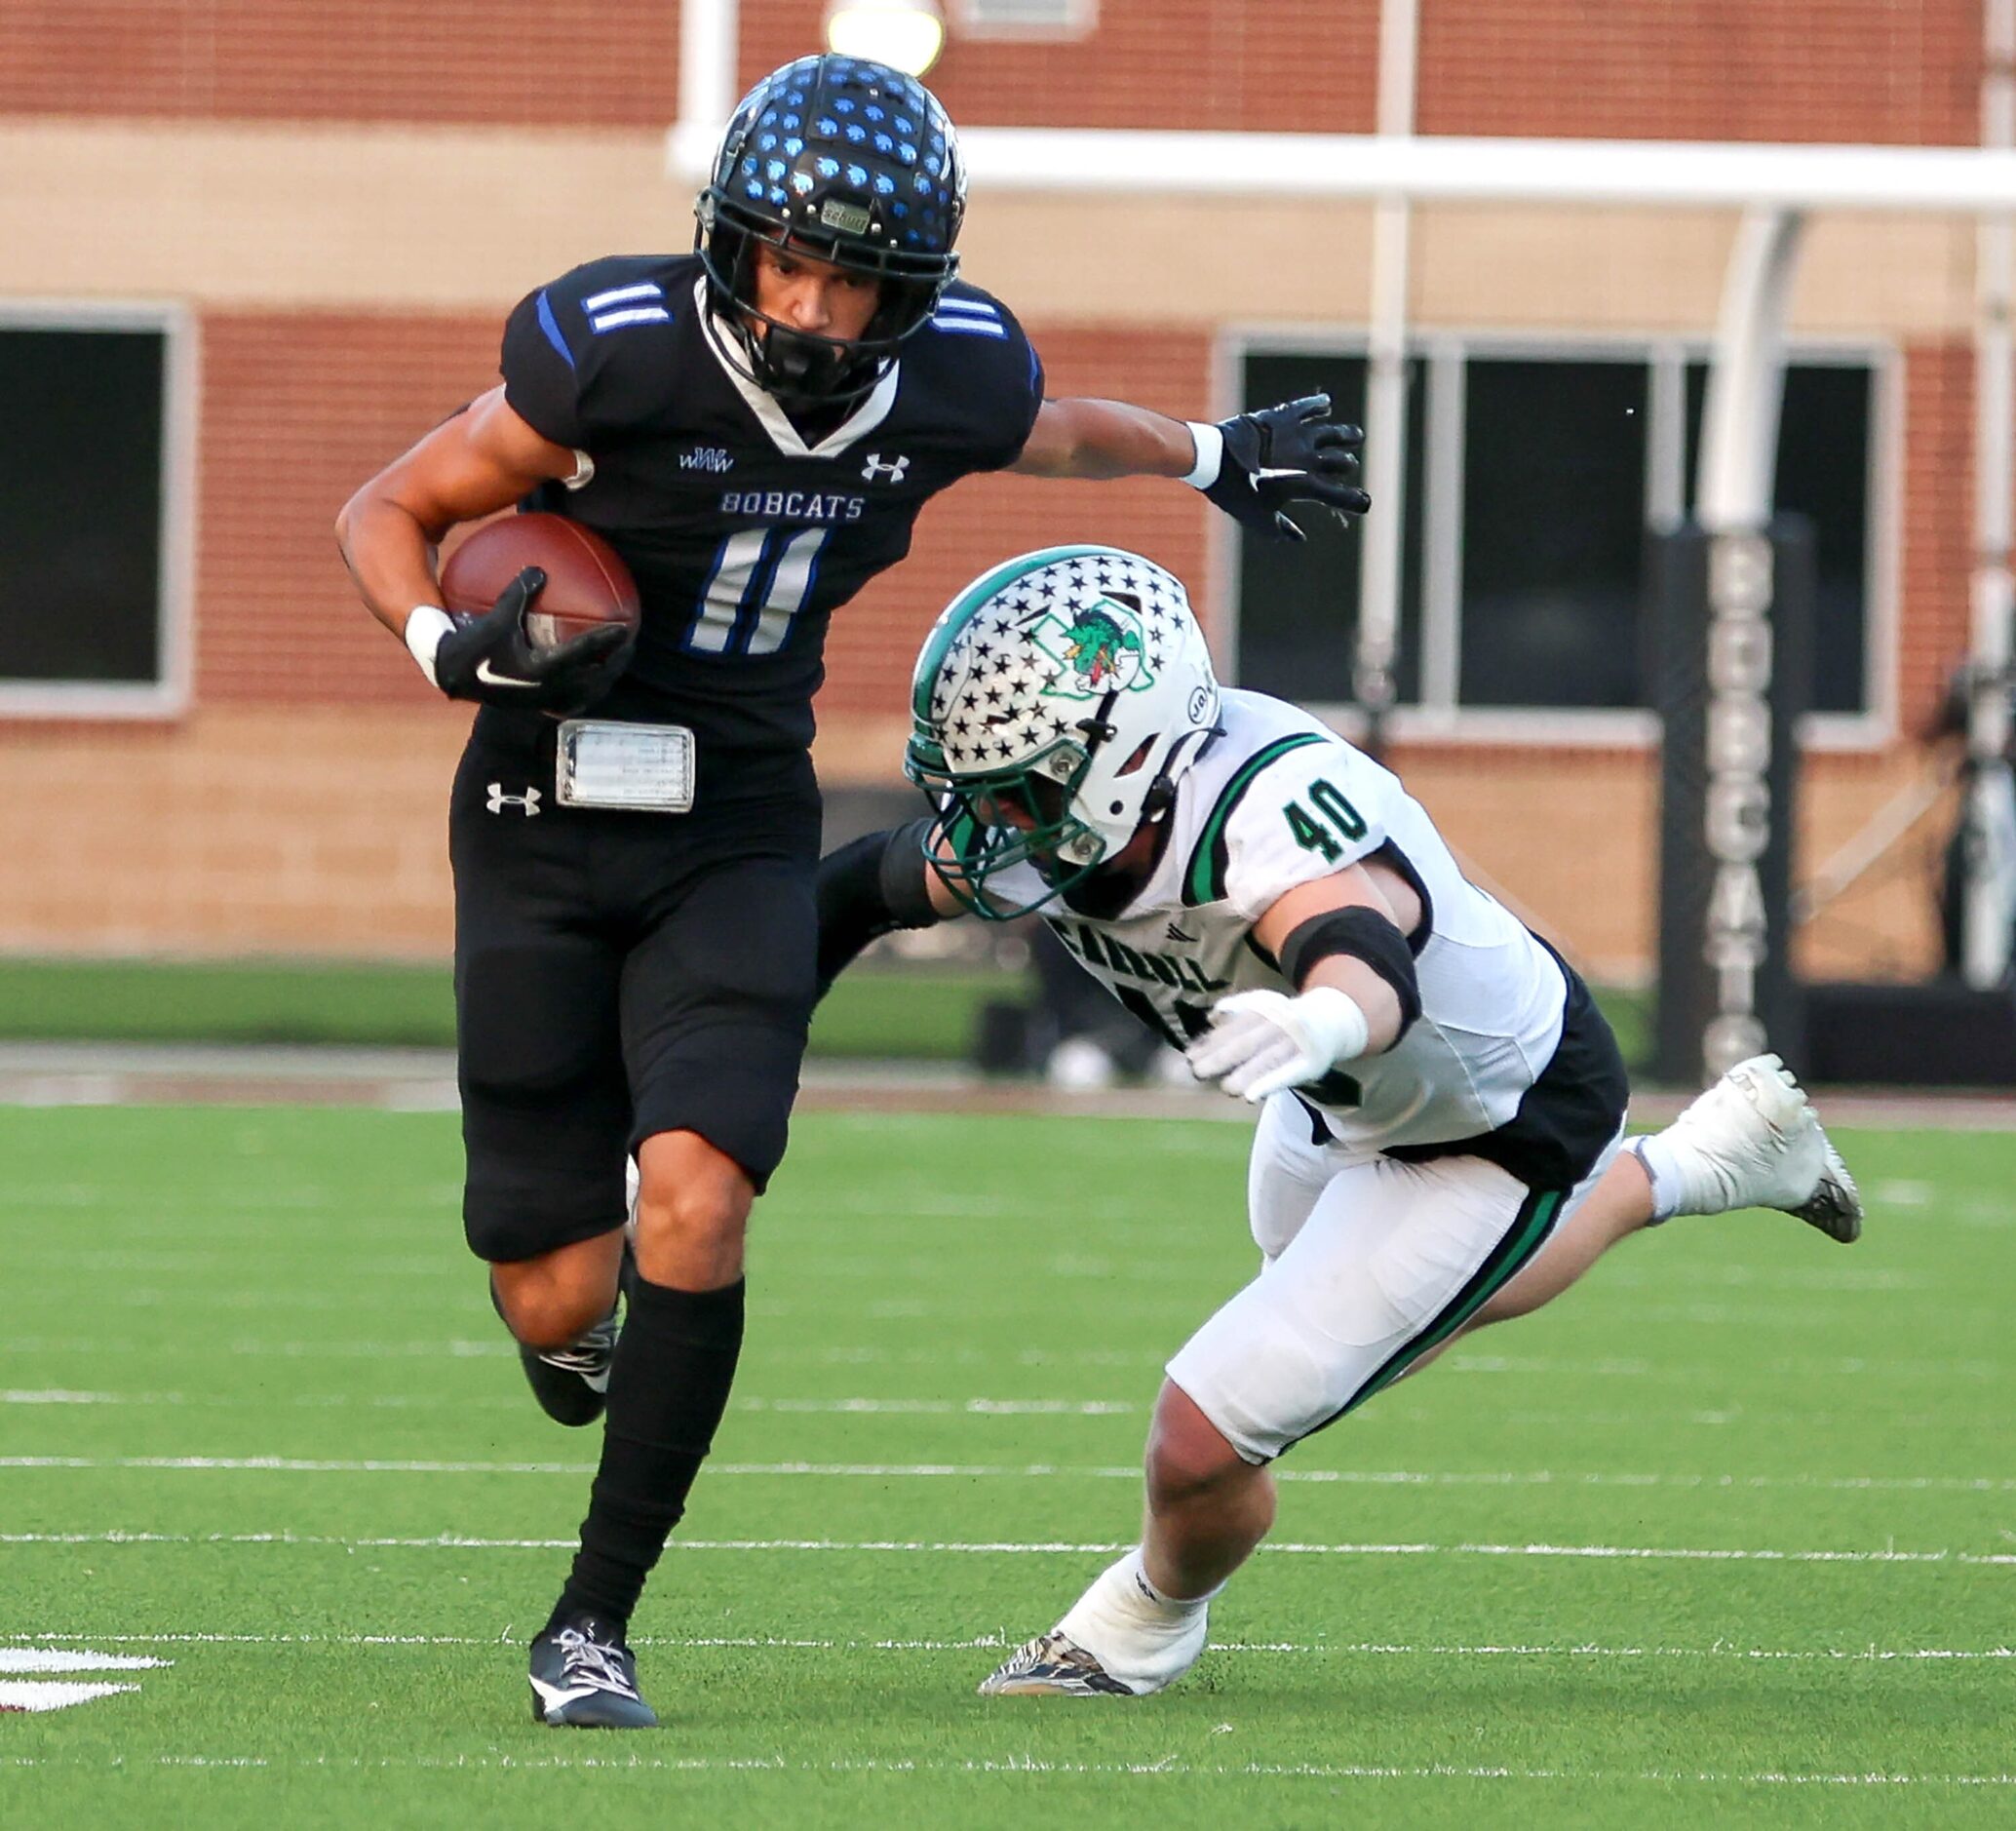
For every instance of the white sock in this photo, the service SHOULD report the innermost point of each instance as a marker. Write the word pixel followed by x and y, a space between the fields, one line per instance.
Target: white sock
pixel 1137 1633
pixel 1174 1608
pixel 1121 1599
pixel 1662 1172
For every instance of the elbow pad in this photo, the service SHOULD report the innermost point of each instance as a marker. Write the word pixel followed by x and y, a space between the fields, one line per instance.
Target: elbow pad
pixel 1364 934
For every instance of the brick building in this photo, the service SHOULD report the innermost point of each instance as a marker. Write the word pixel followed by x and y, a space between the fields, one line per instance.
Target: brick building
pixel 306 221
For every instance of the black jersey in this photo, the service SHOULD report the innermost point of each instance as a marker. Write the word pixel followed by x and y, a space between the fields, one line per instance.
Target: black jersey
pixel 743 533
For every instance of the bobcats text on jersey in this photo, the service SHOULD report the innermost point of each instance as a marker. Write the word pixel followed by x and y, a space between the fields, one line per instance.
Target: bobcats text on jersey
pixel 798 505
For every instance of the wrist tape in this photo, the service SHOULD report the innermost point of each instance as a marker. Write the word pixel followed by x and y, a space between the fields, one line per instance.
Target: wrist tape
pixel 1210 445
pixel 425 626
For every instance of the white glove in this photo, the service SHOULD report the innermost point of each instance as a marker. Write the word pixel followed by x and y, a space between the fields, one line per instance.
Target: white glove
pixel 1260 1042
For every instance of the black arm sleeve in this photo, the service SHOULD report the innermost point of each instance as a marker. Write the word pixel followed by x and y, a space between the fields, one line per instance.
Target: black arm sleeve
pixel 1365 935
pixel 869 888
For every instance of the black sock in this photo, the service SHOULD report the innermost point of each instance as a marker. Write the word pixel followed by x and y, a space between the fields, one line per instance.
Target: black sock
pixel 668 1389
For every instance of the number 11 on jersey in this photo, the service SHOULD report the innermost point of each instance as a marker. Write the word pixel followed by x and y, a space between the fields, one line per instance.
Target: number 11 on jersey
pixel 761 581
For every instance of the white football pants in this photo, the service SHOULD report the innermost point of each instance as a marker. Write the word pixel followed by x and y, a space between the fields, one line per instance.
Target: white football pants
pixel 1368 1264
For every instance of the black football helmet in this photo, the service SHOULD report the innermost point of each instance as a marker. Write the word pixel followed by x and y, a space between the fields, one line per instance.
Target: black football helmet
pixel 846 161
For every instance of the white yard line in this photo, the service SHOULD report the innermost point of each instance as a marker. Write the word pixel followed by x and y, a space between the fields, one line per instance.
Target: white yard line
pixel 1804 1366
pixel 73 1660
pixel 39 1346
pixel 987 1408
pixel 1039 1472
pixel 59 1395
pixel 1848 1367
pixel 448 1542
pixel 999 1643
pixel 442 1401
pixel 1827 1305
pixel 1021 1767
pixel 1874 1369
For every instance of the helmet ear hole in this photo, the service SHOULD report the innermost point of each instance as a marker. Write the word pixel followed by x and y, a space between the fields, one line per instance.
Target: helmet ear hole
pixel 1139 757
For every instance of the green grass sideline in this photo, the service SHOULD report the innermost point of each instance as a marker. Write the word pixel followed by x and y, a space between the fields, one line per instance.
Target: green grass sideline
pixel 920 1013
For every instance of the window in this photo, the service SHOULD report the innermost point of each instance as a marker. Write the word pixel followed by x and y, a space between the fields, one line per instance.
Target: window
pixel 1553 533
pixel 1534 471
pixel 1823 473
pixel 1298 603
pixel 94 509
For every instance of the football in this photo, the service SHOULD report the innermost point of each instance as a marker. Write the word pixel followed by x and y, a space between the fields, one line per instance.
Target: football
pixel 587 584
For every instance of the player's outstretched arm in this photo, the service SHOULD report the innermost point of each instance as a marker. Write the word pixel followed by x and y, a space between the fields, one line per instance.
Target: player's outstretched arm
pixel 1253 466
pixel 871 887
pixel 476 463
pixel 1102 438
pixel 1340 943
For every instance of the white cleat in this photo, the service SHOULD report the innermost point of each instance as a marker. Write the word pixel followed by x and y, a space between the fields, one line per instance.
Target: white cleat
pixel 1753 1140
pixel 1052 1666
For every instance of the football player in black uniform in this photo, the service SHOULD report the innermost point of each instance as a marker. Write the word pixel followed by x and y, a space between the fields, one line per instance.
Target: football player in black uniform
pixel 755 428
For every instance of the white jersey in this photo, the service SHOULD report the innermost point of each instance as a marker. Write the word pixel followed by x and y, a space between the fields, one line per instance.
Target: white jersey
pixel 1279 800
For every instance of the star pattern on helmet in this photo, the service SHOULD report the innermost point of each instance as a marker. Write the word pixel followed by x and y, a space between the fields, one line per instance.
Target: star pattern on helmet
pixel 995 697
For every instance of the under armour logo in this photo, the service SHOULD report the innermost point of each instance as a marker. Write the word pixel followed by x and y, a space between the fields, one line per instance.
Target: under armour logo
pixel 499 801
pixel 876 471
pixel 1177 934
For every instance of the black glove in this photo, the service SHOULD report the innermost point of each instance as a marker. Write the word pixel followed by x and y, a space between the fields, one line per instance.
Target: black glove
pixel 491 658
pixel 1293 452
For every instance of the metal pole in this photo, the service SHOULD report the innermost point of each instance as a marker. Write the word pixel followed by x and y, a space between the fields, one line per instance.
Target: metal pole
pixel 710 31
pixel 1740 445
pixel 1385 393
pixel 1739 422
pixel 1988 908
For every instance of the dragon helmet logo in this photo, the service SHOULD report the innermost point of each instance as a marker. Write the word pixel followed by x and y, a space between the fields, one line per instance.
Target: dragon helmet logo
pixel 1100 649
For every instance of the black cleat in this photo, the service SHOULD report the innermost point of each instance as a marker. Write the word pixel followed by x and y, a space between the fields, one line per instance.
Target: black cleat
pixel 583 1679
pixel 570 1383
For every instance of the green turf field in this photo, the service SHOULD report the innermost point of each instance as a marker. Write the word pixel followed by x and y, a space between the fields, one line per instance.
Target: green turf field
pixel 1731 1531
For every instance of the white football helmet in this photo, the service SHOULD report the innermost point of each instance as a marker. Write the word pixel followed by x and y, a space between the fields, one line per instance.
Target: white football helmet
pixel 1057 701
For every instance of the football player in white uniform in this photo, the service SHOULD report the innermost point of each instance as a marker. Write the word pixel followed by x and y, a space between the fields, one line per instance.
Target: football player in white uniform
pixel 1442 1105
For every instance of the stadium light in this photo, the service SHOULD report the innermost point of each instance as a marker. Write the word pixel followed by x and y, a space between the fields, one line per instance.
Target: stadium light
pixel 908 34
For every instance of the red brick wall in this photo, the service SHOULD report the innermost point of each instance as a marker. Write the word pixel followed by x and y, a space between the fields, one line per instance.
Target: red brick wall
pixel 1884 70
pixel 1880 70
pixel 509 63
pixel 300 407
pixel 1936 515
pixel 1277 65
pixel 1893 71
